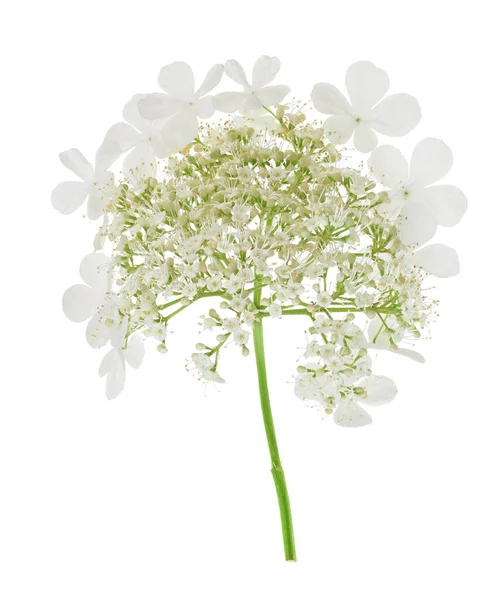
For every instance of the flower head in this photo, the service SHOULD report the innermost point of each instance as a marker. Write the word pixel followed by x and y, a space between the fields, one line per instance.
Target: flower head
pixel 268 221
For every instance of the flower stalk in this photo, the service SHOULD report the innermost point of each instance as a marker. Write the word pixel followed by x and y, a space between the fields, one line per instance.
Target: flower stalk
pixel 276 467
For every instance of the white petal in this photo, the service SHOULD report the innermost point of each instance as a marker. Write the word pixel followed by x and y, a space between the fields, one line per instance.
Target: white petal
pixel 380 390
pixel 388 166
pixel 120 138
pixel 350 414
pixel 113 366
pixel 431 160
pixel 366 85
pixel 132 115
pixel 177 79
pixel 265 71
pixel 205 107
pixel 94 270
pixel 229 102
pixel 107 362
pixel 236 72
pixel 80 302
pixel 446 202
pixel 180 130
pixel 438 259
pixel 396 115
pixel 339 128
pixel 418 224
pixel 211 80
pixel 69 195
pixel 377 329
pixel 383 343
pixel 252 102
pixel 95 205
pixel 159 148
pixel 135 351
pixel 74 160
pixel 412 354
pixel 273 94
pixel 364 139
pixel 141 160
pixel 329 100
pixel 96 333
pixel 156 106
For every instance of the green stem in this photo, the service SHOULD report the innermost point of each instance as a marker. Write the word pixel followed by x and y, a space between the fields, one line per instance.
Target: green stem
pixel 276 468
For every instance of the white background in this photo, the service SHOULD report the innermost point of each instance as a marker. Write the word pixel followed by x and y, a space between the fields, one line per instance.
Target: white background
pixel 165 492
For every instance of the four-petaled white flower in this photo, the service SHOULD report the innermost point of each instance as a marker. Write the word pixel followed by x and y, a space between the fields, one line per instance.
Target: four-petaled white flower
pixel 95 185
pixel 140 135
pixel 181 103
pixel 93 301
pixel 113 365
pixel 255 95
pixel 423 206
pixel 396 115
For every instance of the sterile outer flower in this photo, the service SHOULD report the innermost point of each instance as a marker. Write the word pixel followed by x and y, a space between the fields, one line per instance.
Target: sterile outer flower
pixel 379 390
pixel 256 95
pixel 395 116
pixel 141 136
pixel 422 206
pixel 181 103
pixel 93 300
pixel 113 365
pixel 95 185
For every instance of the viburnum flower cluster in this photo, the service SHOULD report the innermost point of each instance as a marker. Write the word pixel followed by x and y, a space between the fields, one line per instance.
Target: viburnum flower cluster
pixel 256 201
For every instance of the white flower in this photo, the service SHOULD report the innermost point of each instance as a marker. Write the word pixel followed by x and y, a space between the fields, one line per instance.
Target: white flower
pixel 96 184
pixel 180 102
pixel 379 390
pixel 238 304
pixel 275 310
pixel 324 299
pixel 366 85
pixel 140 135
pixel 256 95
pixel 93 301
pixel 241 336
pixel 423 206
pixel 113 365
